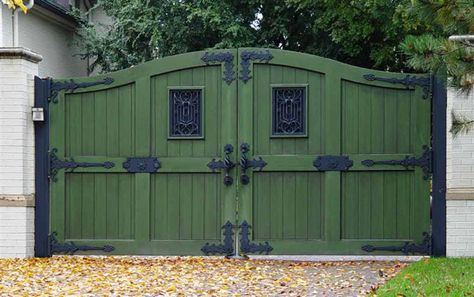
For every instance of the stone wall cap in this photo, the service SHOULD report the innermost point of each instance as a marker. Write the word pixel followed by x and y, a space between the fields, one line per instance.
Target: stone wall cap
pixel 17 200
pixel 460 194
pixel 20 53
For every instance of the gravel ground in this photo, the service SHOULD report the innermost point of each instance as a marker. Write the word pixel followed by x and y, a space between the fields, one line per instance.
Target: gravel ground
pixel 189 276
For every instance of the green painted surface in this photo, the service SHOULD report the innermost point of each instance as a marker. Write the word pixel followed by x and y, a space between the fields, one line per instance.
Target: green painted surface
pixel 297 209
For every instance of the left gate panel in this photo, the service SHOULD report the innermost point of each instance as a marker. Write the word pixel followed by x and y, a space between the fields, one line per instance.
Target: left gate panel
pixel 93 130
pixel 140 161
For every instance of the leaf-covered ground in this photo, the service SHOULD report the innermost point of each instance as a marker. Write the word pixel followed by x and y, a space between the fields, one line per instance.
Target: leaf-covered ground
pixel 195 276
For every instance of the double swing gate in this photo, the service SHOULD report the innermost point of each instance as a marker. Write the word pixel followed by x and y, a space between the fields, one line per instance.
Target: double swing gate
pixel 284 152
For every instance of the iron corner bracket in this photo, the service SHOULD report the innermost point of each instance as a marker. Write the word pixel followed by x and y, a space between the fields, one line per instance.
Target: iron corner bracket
pixel 247 247
pixel 222 57
pixel 408 81
pixel 424 248
pixel 70 248
pixel 224 249
pixel 71 85
pixel 246 56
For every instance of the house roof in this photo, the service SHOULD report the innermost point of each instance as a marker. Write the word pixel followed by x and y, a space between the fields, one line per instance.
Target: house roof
pixel 59 7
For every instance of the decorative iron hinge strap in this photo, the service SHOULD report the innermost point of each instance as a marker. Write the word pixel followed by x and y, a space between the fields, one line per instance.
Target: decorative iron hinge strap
pixel 333 163
pixel 247 56
pixel 425 162
pixel 408 81
pixel 224 249
pixel 55 164
pixel 407 248
pixel 71 248
pixel 225 164
pixel 246 163
pixel 71 85
pixel 247 247
pixel 222 57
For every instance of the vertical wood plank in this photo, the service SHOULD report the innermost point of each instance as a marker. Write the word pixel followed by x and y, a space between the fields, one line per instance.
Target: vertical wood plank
pixel 332 136
pixel 142 133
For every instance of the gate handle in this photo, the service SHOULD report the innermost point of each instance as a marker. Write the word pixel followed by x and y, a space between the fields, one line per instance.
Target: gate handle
pixel 226 164
pixel 246 163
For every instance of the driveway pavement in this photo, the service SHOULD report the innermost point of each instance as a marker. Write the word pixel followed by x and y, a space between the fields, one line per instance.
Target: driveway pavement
pixel 189 276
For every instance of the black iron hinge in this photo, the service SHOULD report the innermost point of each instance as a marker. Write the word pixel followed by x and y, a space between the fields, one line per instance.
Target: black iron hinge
pixel 70 248
pixel 56 164
pixel 71 85
pixel 425 162
pixel 222 57
pixel 247 247
pixel 408 81
pixel 424 248
pixel 227 248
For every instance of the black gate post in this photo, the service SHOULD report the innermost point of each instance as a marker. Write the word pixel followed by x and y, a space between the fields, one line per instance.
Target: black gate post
pixel 42 91
pixel 439 164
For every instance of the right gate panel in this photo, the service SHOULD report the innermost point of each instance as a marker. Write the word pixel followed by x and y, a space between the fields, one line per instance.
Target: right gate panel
pixel 295 108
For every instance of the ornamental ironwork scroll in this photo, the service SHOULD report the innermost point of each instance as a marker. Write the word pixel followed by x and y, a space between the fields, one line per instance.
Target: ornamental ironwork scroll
pixel 222 57
pixel 424 162
pixel 227 248
pixel 225 164
pixel 246 163
pixel 71 85
pixel 424 248
pixel 71 248
pixel 408 81
pixel 185 113
pixel 56 164
pixel 247 56
pixel 288 111
pixel 247 247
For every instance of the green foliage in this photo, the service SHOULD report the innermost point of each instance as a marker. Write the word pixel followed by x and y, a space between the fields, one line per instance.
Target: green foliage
pixel 365 33
pixel 460 124
pixel 433 277
pixel 431 50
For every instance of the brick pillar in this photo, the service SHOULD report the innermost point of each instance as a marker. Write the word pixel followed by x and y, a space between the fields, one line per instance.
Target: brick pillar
pixel 460 181
pixel 18 66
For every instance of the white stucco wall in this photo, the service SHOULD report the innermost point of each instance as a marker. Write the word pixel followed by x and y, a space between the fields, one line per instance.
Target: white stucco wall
pixel 54 41
pixel 51 36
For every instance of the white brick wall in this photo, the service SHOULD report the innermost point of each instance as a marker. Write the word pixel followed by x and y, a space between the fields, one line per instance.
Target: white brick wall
pixel 460 228
pixel 16 127
pixel 460 150
pixel 460 180
pixel 16 232
pixel 17 70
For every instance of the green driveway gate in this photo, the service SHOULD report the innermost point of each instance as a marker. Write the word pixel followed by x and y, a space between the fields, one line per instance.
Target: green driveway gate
pixel 307 154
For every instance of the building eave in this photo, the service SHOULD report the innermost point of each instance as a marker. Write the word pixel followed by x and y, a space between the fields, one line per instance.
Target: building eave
pixel 56 9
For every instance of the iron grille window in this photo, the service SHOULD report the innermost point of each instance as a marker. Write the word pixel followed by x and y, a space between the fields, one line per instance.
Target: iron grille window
pixel 185 113
pixel 288 111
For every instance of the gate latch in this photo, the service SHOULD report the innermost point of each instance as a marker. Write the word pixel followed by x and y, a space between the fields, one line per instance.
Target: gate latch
pixel 225 164
pixel 333 163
